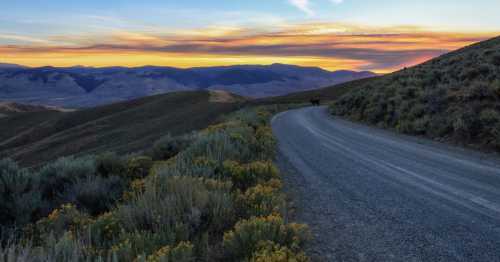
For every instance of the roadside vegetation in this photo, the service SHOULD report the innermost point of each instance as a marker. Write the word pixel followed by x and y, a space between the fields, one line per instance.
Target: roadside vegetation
pixel 453 98
pixel 211 195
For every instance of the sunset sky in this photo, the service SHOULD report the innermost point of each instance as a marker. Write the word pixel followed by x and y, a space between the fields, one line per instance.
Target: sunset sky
pixel 381 36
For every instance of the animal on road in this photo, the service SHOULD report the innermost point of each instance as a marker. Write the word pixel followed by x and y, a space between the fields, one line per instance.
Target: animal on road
pixel 315 101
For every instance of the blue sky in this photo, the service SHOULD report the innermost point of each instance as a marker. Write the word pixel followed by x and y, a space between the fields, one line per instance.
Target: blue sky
pixel 42 23
pixel 38 17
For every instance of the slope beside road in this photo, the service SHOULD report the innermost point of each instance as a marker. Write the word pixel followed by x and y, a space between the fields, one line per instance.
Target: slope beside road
pixel 371 195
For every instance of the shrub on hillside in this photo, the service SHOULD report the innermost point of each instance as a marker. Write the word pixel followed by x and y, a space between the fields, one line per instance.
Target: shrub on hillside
pixel 104 230
pixel 77 181
pixel 95 194
pixel 183 252
pixel 109 163
pixel 496 59
pixel 245 239
pixel 266 143
pixel 244 176
pixel 58 176
pixel 20 201
pixel 67 218
pixel 169 146
pixel 271 252
pixel 138 167
pixel 66 248
pixel 262 200
pixel 178 207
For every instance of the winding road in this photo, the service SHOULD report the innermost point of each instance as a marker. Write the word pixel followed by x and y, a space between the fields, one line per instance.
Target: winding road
pixel 372 195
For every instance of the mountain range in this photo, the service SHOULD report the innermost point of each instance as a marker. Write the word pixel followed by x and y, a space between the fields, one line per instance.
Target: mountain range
pixel 87 86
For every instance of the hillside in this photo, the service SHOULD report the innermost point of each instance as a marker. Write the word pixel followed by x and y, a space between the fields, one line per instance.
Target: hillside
pixel 12 108
pixel 76 87
pixel 210 195
pixel 452 98
pixel 326 94
pixel 36 137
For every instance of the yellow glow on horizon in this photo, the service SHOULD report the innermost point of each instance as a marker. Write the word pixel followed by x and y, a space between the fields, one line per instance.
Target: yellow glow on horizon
pixel 329 46
pixel 133 59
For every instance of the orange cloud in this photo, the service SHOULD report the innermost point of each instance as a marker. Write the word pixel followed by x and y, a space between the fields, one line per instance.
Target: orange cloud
pixel 331 46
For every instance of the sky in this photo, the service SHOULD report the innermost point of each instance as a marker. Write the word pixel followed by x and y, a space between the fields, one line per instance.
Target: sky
pixel 376 35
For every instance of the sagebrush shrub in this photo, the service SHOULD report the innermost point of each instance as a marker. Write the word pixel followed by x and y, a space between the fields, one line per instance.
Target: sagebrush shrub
pixel 168 146
pixel 172 203
pixel 96 194
pixel 138 167
pixel 110 163
pixel 244 240
pixel 56 177
pixel 245 176
pixel 66 218
pixel 20 201
pixel 183 252
pixel 104 230
pixel 271 252
pixel 262 200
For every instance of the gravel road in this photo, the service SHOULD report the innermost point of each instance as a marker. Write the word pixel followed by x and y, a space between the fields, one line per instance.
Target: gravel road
pixel 372 195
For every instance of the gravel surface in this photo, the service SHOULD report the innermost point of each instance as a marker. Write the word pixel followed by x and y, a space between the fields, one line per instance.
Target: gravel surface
pixel 372 195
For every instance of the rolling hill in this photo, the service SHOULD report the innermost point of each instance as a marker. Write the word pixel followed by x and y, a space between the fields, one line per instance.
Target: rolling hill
pixel 454 98
pixel 326 94
pixel 75 87
pixel 40 136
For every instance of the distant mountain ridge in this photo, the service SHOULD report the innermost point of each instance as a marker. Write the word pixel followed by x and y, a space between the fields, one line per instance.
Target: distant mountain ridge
pixel 5 65
pixel 87 86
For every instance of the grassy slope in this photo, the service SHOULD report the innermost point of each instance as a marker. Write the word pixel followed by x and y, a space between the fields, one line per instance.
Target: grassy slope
pixel 325 94
pixel 123 127
pixel 219 198
pixel 452 98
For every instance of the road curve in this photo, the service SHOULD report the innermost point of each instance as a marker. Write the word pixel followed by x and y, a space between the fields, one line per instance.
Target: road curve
pixel 372 195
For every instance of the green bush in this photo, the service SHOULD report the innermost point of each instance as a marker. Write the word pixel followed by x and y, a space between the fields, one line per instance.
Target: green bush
pixel 56 177
pixel 168 146
pixel 244 240
pixel 108 164
pixel 421 125
pixel 104 230
pixel 489 117
pixel 271 252
pixel 262 200
pixel 177 204
pixel 245 176
pixel 495 60
pixel 77 181
pixel 95 194
pixel 20 202
pixel 416 112
pixel 66 218
pixel 138 167
pixel 66 248
pixel 183 252
pixel 266 143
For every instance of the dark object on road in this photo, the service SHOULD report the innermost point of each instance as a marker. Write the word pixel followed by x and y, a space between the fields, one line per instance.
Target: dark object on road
pixel 315 101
